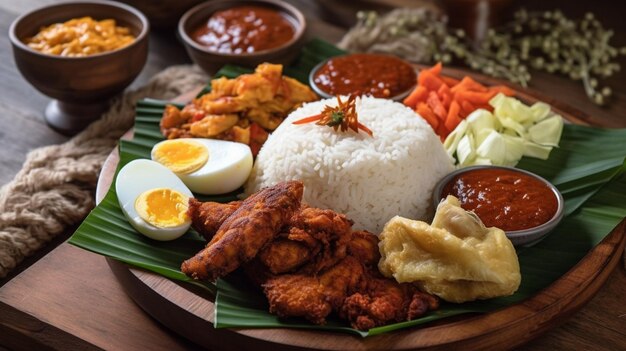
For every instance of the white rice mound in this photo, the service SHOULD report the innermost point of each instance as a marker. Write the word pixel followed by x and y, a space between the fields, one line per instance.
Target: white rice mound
pixel 370 179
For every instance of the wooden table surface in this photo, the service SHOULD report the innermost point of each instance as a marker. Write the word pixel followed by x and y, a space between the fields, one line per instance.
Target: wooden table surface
pixel 67 298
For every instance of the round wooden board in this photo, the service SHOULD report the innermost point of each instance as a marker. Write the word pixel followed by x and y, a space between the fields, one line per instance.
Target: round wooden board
pixel 190 311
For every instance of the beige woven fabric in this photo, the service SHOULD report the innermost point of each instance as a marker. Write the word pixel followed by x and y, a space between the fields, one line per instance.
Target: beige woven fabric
pixel 55 188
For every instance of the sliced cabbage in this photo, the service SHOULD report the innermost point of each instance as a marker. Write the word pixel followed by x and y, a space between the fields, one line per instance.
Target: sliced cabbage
pixel 452 141
pixel 493 148
pixel 540 110
pixel 547 132
pixel 537 151
pixel 503 137
pixel 465 152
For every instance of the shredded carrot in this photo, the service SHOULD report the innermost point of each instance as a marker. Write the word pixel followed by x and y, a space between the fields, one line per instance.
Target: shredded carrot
pixel 444 101
pixel 365 129
pixel 308 119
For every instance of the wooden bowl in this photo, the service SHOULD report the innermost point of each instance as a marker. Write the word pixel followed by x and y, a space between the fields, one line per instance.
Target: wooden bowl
pixel 211 61
pixel 81 86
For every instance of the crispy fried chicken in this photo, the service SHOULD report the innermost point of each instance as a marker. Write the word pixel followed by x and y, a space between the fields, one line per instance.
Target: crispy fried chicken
pixel 313 297
pixel 308 261
pixel 255 223
pixel 314 236
pixel 207 217
pixel 382 301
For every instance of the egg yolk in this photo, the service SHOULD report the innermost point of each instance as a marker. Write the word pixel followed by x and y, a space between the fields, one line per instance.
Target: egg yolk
pixel 181 156
pixel 162 207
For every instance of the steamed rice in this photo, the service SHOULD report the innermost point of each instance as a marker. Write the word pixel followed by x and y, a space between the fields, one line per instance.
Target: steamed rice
pixel 370 179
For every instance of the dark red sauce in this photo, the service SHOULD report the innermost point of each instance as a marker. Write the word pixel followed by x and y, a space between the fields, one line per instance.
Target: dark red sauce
pixel 244 29
pixel 504 198
pixel 379 75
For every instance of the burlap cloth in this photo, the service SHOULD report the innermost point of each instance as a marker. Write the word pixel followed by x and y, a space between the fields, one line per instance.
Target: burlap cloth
pixel 55 188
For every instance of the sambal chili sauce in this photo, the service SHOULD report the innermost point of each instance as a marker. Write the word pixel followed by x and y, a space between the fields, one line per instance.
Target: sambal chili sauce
pixel 504 198
pixel 244 29
pixel 381 76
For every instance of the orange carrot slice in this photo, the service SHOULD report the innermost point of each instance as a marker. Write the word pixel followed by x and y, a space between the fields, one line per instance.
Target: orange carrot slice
pixel 466 108
pixel 445 95
pixel 450 82
pixel 426 113
pixel 467 83
pixel 418 95
pixel 429 80
pixel 453 119
pixel 436 106
pixel 444 101
pixel 436 69
pixel 502 89
pixel 475 97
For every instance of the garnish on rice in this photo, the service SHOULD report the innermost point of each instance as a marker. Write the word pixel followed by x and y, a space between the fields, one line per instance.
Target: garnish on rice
pixel 342 117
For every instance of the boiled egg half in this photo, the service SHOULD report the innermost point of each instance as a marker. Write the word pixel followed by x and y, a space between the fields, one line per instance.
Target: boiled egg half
pixel 206 166
pixel 153 199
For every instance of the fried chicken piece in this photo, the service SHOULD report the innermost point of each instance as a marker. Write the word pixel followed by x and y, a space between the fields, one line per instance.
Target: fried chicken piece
pixel 315 236
pixel 383 301
pixel 313 297
pixel 289 252
pixel 255 223
pixel 364 246
pixel 370 300
pixel 308 262
pixel 207 217
pixel 331 230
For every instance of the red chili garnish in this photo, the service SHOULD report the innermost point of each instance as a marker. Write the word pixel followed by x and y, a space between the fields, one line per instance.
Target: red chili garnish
pixel 341 117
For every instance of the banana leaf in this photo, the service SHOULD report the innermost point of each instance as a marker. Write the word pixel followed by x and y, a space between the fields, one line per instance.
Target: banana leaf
pixel 588 168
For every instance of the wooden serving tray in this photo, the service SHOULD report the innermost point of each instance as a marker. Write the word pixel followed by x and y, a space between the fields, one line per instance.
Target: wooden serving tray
pixel 190 311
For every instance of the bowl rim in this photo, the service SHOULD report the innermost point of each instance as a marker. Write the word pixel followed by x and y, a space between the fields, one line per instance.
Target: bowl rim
pixel 300 27
pixel 539 230
pixel 145 29
pixel 322 93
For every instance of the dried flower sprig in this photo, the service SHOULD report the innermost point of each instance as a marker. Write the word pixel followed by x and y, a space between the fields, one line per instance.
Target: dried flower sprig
pixel 546 41
pixel 342 117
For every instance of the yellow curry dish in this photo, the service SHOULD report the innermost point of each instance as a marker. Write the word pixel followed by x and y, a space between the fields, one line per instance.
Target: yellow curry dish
pixel 81 37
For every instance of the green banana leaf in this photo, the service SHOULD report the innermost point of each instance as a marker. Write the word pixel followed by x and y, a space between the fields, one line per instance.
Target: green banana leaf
pixel 588 168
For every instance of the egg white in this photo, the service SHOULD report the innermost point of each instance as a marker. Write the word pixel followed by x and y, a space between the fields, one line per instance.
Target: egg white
pixel 142 175
pixel 227 169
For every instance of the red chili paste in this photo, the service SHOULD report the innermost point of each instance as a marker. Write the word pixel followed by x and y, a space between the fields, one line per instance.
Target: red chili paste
pixel 381 76
pixel 504 198
pixel 244 29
